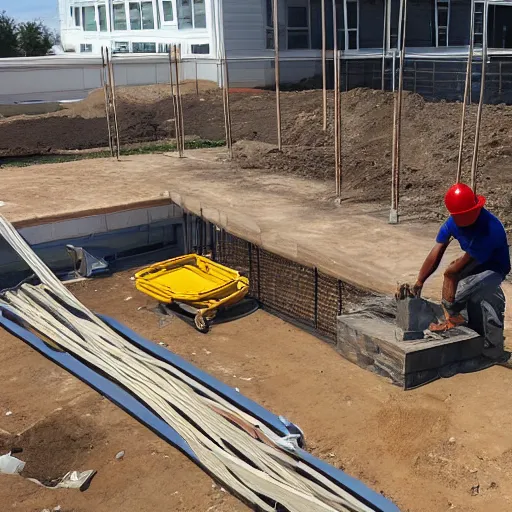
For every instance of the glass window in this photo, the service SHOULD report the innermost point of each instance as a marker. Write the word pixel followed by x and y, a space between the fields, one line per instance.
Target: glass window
pixel 351 14
pixel 121 47
pixel 184 14
pixel 270 39
pixel 144 47
pixel 85 48
pixel 298 17
pixel 77 17
pixel 163 48
pixel 168 13
pixel 89 19
pixel 201 49
pixel 298 40
pixel 270 14
pixel 148 20
pixel 102 16
pixel 119 17
pixel 199 14
pixel 135 16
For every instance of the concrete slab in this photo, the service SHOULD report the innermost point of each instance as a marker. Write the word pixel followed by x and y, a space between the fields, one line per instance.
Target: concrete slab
pixel 375 344
pixel 294 217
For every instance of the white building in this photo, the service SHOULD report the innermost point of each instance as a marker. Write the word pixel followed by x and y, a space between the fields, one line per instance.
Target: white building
pixel 136 27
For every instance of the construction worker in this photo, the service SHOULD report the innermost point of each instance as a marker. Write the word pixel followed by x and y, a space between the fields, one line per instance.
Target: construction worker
pixel 473 281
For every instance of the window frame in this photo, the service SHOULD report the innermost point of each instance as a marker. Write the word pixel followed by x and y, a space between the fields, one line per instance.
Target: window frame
pixel 298 30
pixel 269 29
pixel 442 4
pixel 193 16
pixel 95 11
pixel 141 17
pixel 113 20
pixel 174 20
pixel 341 29
pixel 476 34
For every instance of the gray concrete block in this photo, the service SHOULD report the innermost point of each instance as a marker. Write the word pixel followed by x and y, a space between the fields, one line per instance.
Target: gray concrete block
pixel 413 316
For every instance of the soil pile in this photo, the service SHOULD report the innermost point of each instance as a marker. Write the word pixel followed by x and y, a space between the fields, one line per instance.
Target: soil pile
pixel 430 139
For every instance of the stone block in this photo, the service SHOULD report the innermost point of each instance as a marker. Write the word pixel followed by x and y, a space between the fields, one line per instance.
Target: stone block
pixel 413 316
pixel 371 343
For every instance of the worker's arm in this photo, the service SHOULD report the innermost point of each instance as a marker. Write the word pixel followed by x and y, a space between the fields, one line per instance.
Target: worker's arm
pixel 429 266
pixel 452 276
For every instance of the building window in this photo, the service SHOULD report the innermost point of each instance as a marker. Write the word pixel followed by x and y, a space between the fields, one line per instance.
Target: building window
pixel 191 14
pixel 102 17
pixel 163 48
pixel 78 23
pixel 270 26
pixel 442 22
pixel 121 47
pixel 143 47
pixel 141 16
pixel 119 16
pixel 168 11
pixel 298 26
pixel 89 19
pixel 200 49
pixel 479 24
pixel 85 48
pixel 348 39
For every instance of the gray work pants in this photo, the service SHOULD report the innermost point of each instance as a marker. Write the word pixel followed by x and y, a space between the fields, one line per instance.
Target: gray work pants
pixel 481 295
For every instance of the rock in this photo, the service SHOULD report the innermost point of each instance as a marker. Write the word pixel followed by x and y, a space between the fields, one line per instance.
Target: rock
pixel 120 455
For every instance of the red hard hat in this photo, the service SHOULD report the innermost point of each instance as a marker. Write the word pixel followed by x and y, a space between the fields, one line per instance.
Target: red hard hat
pixel 463 204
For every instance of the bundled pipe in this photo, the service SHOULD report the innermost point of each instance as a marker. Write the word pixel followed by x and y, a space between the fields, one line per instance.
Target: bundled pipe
pixel 245 456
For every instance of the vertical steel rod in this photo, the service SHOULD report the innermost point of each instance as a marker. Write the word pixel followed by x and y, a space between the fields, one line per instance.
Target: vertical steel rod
pixel 277 72
pixel 114 102
pixel 384 38
pixel 229 137
pixel 397 114
pixel 474 164
pixel 107 100
pixel 336 94
pixel 469 69
pixel 324 67
pixel 174 103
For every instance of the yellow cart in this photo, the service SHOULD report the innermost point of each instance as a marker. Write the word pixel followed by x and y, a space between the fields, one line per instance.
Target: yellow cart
pixel 196 284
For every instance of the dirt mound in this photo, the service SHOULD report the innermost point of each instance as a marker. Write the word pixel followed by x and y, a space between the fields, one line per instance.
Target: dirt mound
pixel 430 138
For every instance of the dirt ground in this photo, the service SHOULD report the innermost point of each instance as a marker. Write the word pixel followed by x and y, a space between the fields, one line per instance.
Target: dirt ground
pixel 439 448
pixel 429 143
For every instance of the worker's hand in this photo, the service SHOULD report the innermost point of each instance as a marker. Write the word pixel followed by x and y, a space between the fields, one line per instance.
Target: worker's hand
pixel 417 289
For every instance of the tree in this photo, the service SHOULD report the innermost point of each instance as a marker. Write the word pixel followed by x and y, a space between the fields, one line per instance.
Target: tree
pixel 34 39
pixel 8 36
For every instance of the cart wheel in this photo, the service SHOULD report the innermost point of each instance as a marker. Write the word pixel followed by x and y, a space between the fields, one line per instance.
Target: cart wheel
pixel 202 325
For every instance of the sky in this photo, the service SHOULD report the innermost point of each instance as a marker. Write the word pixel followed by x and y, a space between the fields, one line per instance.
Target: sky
pixel 28 10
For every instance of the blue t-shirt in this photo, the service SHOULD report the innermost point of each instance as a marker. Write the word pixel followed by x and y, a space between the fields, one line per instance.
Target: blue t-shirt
pixel 485 241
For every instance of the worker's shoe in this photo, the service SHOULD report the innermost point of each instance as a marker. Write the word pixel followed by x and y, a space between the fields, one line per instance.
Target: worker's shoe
pixel 450 322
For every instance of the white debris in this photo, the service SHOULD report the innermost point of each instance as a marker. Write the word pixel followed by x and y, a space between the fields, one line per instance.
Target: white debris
pixel 11 465
pixel 247 379
pixel 120 455
pixel 8 413
pixel 451 440
pixel 128 298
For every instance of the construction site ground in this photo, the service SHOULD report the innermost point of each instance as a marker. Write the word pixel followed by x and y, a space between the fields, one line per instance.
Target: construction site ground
pixel 441 447
pixel 430 138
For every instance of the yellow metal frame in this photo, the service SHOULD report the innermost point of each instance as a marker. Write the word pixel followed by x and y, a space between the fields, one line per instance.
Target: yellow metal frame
pixel 193 280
